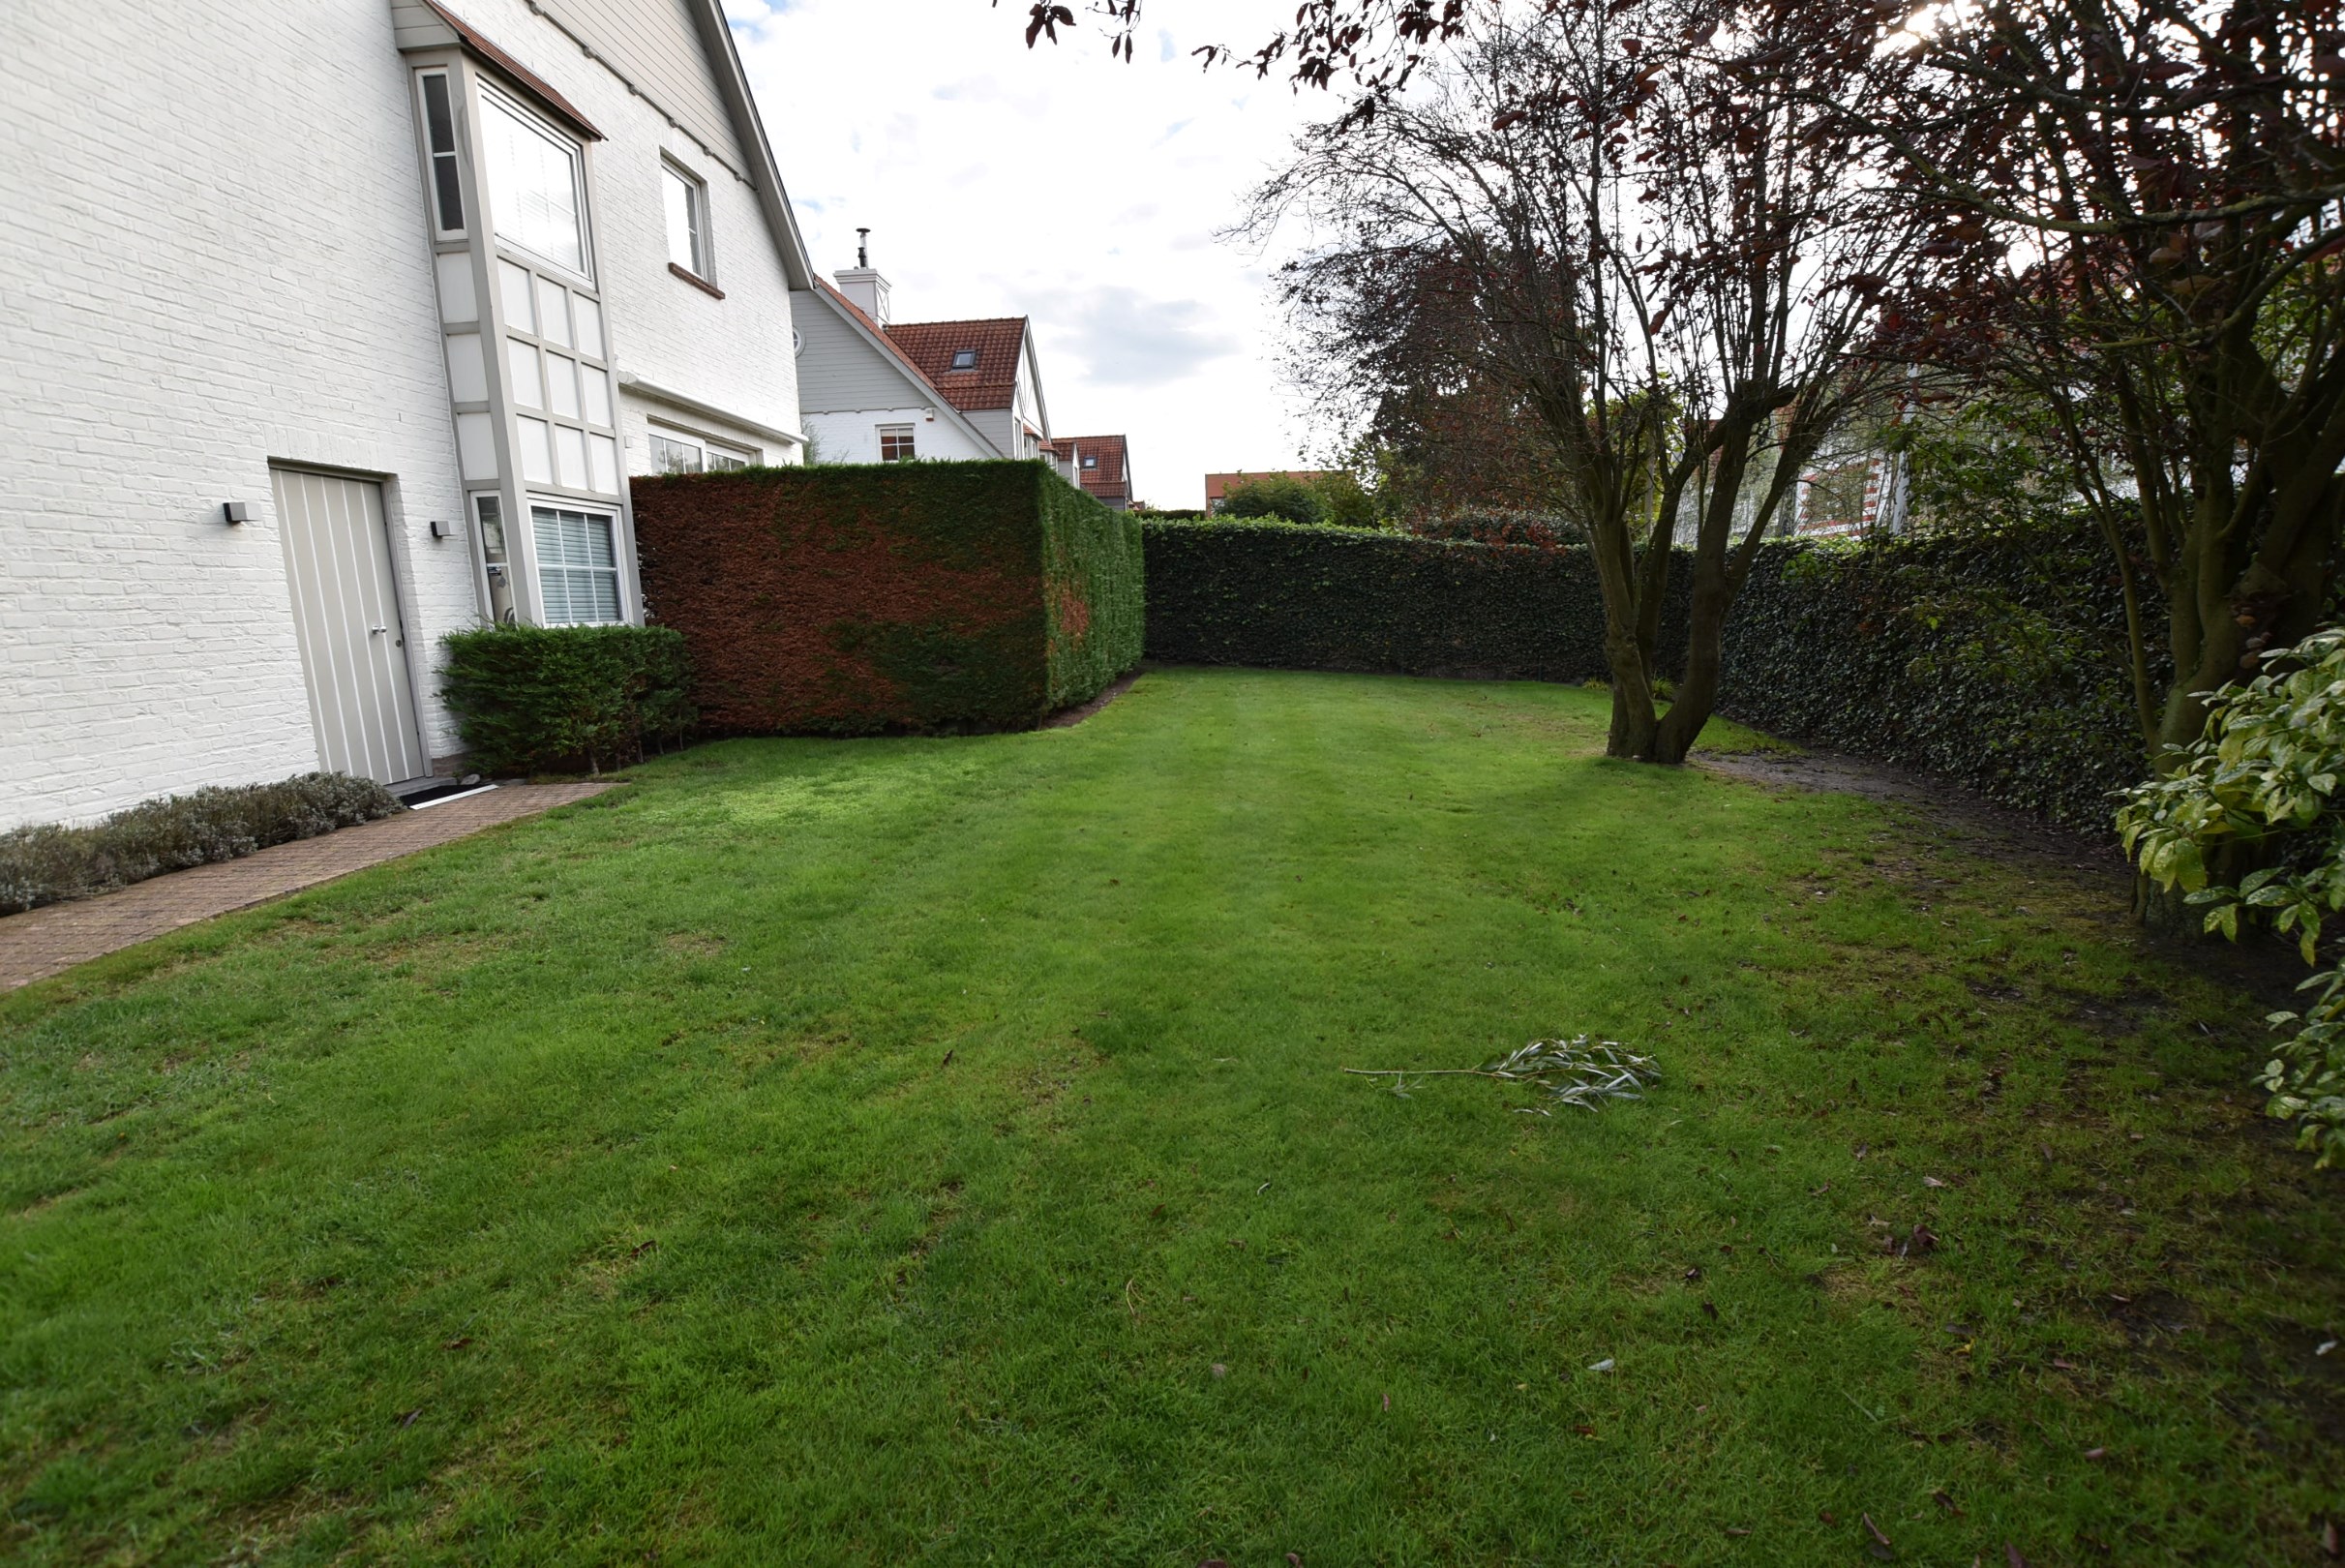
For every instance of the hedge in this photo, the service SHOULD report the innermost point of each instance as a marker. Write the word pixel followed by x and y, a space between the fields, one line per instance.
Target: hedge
pixel 1293 598
pixel 550 699
pixel 1997 659
pixel 855 599
pixel 49 864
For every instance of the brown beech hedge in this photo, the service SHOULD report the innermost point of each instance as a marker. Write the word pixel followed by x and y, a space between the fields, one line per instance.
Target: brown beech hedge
pixel 862 599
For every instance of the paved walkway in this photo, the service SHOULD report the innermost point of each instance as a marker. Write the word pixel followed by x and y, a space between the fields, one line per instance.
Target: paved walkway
pixel 51 939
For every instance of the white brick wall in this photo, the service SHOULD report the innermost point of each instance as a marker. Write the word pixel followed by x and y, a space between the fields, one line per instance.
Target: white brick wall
pixel 731 354
pixel 215 256
pixel 212 257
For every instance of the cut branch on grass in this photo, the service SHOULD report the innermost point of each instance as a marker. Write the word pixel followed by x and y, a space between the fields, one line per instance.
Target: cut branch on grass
pixel 1576 1071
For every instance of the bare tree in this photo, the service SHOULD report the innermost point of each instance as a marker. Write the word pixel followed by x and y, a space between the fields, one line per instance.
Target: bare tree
pixel 2144 216
pixel 1655 246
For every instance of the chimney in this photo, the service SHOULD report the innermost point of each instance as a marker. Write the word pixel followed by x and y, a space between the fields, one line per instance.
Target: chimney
pixel 863 286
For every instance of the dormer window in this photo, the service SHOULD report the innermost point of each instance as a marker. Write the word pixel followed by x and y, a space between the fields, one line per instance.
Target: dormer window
pixel 964 359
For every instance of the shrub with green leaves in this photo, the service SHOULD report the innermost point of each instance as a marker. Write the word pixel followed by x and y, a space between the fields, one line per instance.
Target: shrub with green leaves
pixel 2261 785
pixel 556 699
pixel 50 865
pixel 1276 496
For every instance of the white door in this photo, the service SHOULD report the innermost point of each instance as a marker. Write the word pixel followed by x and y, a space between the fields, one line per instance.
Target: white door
pixel 345 614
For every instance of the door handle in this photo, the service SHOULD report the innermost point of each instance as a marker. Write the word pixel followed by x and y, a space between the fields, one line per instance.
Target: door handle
pixel 378 631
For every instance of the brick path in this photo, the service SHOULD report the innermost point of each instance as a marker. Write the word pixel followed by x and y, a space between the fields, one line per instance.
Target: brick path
pixel 51 939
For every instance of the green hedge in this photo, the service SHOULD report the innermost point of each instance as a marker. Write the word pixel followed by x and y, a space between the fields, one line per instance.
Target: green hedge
pixel 48 865
pixel 1290 597
pixel 1996 659
pixel 855 599
pixel 1095 591
pixel 550 699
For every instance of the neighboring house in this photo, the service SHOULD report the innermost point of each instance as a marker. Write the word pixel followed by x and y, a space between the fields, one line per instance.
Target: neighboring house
pixel 1100 464
pixel 864 400
pixel 878 391
pixel 302 383
pixel 1217 486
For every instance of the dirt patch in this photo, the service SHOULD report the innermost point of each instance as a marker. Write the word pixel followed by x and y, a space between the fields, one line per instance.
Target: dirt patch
pixel 1067 717
pixel 2095 867
pixel 1998 831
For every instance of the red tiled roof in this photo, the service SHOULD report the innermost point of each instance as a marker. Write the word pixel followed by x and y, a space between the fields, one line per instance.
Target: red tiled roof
pixel 1217 486
pixel 1111 480
pixel 991 384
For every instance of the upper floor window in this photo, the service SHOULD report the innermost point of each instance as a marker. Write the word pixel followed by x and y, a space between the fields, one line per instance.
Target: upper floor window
pixel 676 452
pixel 687 200
pixel 964 359
pixel 896 443
pixel 439 141
pixel 535 191
pixel 1090 462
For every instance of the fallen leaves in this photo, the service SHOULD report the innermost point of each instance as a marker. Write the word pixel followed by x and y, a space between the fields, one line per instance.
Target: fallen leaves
pixel 1880 1545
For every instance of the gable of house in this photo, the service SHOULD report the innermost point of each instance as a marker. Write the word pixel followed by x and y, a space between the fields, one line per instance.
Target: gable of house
pixel 1100 464
pixel 853 378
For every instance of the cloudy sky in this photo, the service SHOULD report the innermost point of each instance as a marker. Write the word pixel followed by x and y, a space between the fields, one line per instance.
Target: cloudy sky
pixel 1055 184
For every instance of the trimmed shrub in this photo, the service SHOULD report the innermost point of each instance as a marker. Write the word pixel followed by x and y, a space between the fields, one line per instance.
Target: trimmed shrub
pixel 48 865
pixel 861 600
pixel 554 699
pixel 1276 496
pixel 1997 659
pixel 1326 598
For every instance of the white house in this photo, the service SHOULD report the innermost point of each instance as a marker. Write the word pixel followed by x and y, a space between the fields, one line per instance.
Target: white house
pixel 331 328
pixel 874 389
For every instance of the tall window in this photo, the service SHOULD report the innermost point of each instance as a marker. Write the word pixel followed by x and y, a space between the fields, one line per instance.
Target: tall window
pixel 534 189
pixel 576 568
pixel 439 136
pixel 895 444
pixel 688 220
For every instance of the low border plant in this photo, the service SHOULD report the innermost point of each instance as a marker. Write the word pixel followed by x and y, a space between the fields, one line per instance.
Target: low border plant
pixel 49 864
pixel 2246 823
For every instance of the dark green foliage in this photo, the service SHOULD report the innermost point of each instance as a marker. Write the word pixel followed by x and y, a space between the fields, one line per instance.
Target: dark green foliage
pixel 1325 598
pixel 48 865
pixel 1093 589
pixel 544 698
pixel 1543 529
pixel 1276 496
pixel 1997 659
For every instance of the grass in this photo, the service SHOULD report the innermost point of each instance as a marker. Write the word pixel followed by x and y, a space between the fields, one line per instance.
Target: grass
pixel 935 1151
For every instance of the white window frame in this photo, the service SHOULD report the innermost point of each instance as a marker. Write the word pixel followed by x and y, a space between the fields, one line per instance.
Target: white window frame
pixel 493 100
pixel 701 261
pixel 616 534
pixel 910 435
pixel 712 456
pixel 438 160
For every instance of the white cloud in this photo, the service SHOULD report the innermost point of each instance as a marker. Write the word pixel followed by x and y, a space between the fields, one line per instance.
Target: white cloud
pixel 1054 184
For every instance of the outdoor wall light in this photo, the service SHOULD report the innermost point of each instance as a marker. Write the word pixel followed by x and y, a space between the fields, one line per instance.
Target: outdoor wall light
pixel 442 530
pixel 233 512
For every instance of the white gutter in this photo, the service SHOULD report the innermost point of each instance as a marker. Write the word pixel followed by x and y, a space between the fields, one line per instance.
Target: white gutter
pixel 641 389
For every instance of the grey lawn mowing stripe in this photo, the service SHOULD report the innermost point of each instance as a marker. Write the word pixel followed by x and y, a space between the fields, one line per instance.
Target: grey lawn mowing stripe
pixel 51 940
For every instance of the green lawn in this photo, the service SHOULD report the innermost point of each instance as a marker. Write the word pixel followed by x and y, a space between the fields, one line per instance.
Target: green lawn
pixel 911 1151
